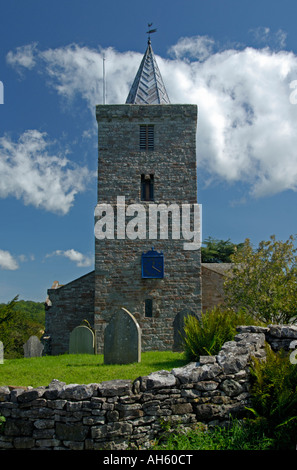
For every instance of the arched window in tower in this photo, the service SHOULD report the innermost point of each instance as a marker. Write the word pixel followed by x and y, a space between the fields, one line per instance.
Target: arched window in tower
pixel 147 187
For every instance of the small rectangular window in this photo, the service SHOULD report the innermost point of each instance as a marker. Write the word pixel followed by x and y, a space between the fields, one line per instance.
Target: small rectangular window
pixel 146 137
pixel 148 308
pixel 147 187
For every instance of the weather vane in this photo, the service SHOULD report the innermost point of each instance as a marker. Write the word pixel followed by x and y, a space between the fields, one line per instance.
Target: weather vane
pixel 150 31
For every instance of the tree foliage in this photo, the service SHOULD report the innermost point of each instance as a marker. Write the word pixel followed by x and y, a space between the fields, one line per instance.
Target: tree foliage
pixel 18 321
pixel 218 251
pixel 263 281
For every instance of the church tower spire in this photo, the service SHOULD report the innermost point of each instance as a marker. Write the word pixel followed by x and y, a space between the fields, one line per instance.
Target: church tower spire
pixel 148 86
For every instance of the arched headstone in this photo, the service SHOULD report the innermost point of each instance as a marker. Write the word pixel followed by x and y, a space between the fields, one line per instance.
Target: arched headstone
pixel 82 340
pixel 122 339
pixel 33 347
pixel 178 328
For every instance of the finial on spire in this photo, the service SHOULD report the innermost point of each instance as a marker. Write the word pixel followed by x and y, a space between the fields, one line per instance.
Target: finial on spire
pixel 150 31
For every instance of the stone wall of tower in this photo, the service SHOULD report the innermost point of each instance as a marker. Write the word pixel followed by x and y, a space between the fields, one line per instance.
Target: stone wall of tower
pixel 118 281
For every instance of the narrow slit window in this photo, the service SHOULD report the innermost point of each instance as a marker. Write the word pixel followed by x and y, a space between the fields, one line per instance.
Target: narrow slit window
pixel 147 187
pixel 148 308
pixel 146 137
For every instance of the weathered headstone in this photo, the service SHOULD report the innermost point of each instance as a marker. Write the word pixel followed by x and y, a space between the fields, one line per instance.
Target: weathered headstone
pixel 122 339
pixel 1 353
pixel 179 329
pixel 33 347
pixel 82 340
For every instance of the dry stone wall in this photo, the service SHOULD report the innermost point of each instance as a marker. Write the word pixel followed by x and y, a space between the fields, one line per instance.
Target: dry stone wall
pixel 123 414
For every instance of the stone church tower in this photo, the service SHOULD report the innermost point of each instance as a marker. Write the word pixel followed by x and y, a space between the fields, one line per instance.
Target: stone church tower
pixel 147 158
pixel 146 259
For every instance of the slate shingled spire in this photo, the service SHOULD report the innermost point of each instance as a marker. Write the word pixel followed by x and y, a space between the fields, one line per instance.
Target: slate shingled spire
pixel 148 86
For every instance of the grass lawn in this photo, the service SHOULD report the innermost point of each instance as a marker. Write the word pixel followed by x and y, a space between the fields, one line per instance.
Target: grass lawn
pixel 83 368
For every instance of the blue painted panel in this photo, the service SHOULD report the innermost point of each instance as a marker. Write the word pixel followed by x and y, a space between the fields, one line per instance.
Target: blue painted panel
pixel 152 265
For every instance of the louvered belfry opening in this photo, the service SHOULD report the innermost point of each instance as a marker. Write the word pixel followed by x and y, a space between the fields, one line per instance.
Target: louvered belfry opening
pixel 146 137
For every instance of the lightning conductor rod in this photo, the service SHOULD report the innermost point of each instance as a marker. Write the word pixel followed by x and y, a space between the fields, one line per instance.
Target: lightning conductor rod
pixel 104 84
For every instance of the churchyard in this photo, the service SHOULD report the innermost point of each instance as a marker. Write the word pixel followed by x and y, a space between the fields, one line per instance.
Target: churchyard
pixel 122 358
pixel 132 389
pixel 128 413
pixel 82 368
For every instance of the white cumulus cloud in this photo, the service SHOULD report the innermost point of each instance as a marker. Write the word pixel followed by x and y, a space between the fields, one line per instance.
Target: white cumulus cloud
pixel 23 56
pixel 7 261
pixel 78 258
pixel 264 36
pixel 246 122
pixel 31 173
pixel 74 70
pixel 197 47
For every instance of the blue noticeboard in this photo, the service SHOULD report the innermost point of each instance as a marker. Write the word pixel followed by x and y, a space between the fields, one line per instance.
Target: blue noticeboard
pixel 152 265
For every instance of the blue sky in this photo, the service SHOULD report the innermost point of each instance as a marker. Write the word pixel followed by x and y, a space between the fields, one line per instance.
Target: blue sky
pixel 234 59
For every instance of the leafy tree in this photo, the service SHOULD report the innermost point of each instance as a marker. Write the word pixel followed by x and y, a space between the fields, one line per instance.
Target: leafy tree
pixel 33 311
pixel 18 321
pixel 8 319
pixel 264 281
pixel 218 251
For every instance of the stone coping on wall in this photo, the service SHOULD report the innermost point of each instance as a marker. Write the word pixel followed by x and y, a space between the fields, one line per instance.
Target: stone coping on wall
pixel 121 414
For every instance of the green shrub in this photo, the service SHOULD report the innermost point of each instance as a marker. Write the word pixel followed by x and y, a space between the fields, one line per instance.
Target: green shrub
pixel 238 435
pixel 274 397
pixel 207 336
pixel 2 423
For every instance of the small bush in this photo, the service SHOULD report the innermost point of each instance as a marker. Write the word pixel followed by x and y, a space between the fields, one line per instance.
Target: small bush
pixel 2 423
pixel 207 336
pixel 274 397
pixel 238 435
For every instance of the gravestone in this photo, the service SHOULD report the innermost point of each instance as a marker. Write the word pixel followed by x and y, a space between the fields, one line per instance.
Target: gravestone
pixel 33 347
pixel 1 353
pixel 178 329
pixel 122 339
pixel 82 340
